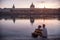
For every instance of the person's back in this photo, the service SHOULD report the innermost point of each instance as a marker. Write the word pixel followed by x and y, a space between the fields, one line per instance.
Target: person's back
pixel 37 32
pixel 44 32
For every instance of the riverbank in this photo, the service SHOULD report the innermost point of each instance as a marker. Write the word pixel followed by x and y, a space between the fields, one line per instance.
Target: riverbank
pixel 29 39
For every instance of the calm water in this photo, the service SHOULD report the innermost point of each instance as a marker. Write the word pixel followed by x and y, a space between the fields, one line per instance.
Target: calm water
pixel 22 28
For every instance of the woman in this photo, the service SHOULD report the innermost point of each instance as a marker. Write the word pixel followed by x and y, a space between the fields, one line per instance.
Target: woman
pixel 37 32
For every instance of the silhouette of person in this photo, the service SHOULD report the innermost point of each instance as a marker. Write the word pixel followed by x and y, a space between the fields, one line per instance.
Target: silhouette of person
pixel 37 32
pixel 44 31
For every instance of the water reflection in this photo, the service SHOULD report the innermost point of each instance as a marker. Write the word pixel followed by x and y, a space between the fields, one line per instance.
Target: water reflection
pixel 32 20
pixel 14 20
pixel 21 27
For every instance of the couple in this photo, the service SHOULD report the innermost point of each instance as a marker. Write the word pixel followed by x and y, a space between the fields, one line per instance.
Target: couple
pixel 40 32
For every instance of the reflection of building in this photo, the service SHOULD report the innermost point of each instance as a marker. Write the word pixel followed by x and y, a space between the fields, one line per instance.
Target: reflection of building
pixel 58 17
pixel 14 20
pixel 32 20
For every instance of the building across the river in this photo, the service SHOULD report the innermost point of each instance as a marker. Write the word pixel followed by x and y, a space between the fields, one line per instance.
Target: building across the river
pixel 31 10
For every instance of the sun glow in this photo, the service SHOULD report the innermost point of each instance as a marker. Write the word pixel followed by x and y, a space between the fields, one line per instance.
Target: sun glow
pixel 47 5
pixel 26 4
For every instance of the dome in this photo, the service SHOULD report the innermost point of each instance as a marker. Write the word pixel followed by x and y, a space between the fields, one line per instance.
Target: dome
pixel 32 6
pixel 13 6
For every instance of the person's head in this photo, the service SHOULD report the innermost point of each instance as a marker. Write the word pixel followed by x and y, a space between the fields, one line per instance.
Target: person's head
pixel 43 25
pixel 39 26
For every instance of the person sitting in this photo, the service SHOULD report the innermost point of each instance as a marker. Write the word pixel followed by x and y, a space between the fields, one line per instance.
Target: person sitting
pixel 44 31
pixel 37 32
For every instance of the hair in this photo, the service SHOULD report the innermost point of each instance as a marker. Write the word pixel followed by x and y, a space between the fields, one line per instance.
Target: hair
pixel 39 26
pixel 43 25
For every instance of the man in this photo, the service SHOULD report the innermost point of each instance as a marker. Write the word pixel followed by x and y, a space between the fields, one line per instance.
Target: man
pixel 44 31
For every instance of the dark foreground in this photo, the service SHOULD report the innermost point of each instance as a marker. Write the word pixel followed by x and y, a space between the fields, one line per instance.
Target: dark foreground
pixel 26 38
pixel 31 39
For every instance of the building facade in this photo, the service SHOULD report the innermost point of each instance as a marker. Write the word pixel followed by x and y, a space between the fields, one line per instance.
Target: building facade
pixel 32 10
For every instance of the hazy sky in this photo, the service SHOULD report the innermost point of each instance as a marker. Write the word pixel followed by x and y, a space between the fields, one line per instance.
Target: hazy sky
pixel 27 3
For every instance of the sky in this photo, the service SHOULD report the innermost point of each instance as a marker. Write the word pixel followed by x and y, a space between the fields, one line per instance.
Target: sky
pixel 27 3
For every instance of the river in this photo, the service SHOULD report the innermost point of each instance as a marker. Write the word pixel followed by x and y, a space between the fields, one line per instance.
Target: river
pixel 22 28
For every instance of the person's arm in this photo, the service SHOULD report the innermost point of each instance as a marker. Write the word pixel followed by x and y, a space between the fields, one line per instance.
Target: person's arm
pixel 35 30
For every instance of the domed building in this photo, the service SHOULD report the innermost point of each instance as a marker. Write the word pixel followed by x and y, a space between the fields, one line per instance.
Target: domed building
pixel 13 6
pixel 32 6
